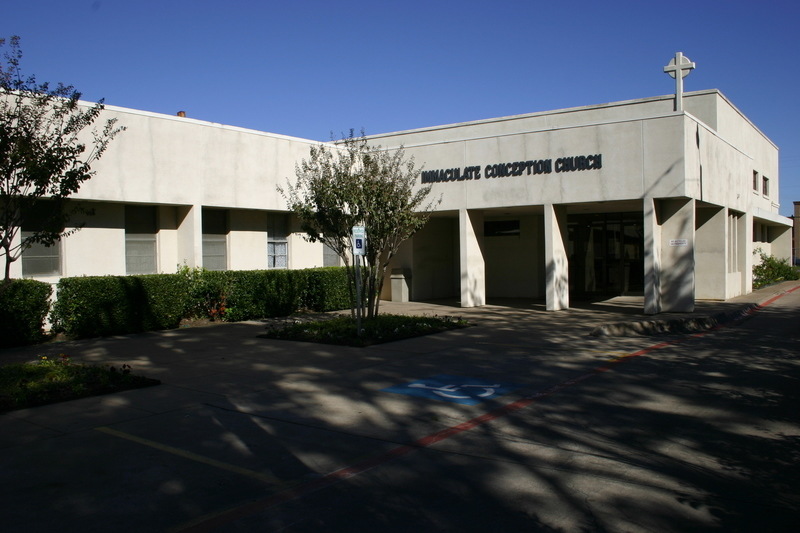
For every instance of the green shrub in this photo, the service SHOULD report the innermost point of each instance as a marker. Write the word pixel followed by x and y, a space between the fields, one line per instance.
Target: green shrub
pixel 772 270
pixel 263 293
pixel 253 294
pixel 325 289
pixel 113 305
pixel 24 304
pixel 207 292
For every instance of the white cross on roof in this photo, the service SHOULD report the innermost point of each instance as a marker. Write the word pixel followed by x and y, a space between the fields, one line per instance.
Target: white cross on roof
pixel 679 64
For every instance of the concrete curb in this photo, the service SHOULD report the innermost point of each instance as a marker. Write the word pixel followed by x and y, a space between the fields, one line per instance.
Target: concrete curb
pixel 692 324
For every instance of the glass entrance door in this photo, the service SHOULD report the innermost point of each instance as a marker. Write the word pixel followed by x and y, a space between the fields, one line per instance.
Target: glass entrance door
pixel 606 254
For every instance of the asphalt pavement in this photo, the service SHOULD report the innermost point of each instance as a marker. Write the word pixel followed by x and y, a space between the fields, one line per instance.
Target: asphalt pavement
pixel 526 421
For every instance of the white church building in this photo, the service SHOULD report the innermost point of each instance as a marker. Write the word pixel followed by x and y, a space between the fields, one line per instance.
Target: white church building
pixel 665 197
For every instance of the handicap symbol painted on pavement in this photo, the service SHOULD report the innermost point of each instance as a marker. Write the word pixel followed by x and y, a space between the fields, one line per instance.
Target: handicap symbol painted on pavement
pixel 458 389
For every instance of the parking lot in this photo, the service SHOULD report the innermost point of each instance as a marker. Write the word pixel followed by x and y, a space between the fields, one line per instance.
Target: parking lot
pixel 520 422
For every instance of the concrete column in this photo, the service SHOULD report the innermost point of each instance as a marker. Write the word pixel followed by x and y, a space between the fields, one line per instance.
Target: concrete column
pixel 711 251
pixel 556 259
pixel 676 217
pixel 190 235
pixel 652 257
pixel 744 243
pixel 168 256
pixel 471 258
pixel 669 227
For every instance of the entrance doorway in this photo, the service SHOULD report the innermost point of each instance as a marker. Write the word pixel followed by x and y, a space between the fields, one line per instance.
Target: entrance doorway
pixel 606 255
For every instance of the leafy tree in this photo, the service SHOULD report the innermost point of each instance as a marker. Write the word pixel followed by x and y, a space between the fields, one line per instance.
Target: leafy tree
pixel 351 183
pixel 46 153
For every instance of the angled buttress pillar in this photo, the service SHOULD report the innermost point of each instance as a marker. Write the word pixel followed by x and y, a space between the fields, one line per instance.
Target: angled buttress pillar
pixel 471 258
pixel 556 259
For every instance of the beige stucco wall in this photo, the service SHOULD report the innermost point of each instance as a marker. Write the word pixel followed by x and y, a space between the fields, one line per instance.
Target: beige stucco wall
pixel 647 149
pixel 711 238
pixel 512 266
pixel 183 165
pixel 649 153
pixel 796 233
pixel 173 160
pixel 99 248
pixel 640 157
pixel 247 239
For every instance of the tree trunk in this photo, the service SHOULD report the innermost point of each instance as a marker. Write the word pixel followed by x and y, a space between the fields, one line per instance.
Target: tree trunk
pixel 374 295
pixel 351 289
pixel 7 276
pixel 7 279
pixel 379 289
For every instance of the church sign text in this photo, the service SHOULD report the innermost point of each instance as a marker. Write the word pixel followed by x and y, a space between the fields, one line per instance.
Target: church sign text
pixel 517 168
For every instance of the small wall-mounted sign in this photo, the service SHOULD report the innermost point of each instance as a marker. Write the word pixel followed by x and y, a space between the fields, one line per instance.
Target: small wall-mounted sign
pixel 679 242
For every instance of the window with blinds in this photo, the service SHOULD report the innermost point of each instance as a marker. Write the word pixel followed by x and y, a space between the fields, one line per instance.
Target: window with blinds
pixel 329 256
pixel 141 229
pixel 39 259
pixel 277 241
pixel 215 239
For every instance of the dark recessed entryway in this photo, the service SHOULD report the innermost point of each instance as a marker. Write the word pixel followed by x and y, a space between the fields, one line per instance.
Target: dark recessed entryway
pixel 606 255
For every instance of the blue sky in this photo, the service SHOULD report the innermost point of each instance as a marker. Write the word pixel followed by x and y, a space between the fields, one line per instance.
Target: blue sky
pixel 309 68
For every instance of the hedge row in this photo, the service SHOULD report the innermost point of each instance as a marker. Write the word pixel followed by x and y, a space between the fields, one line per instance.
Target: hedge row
pixel 252 294
pixel 325 289
pixel 24 304
pixel 113 305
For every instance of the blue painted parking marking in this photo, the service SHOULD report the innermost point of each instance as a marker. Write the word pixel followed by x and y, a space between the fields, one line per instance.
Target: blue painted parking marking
pixel 458 389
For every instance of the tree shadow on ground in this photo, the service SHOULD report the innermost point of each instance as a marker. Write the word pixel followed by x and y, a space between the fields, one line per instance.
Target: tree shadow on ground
pixel 698 435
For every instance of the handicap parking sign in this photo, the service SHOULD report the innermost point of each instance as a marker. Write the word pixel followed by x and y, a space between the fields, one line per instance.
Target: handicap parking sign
pixel 359 240
pixel 457 389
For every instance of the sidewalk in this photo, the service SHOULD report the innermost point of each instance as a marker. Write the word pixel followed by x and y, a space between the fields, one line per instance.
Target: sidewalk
pixel 619 316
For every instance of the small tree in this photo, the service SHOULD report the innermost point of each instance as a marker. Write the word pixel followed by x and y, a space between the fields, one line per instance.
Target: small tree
pixel 44 154
pixel 351 183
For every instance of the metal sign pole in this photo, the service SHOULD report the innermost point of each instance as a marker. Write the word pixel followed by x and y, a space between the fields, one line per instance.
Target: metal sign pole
pixel 359 250
pixel 358 295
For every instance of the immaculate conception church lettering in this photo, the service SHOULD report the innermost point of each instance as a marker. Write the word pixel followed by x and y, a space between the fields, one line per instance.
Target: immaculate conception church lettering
pixel 518 168
pixel 664 197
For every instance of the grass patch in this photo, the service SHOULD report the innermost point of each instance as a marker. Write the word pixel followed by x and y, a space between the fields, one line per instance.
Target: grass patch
pixel 341 330
pixel 59 379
